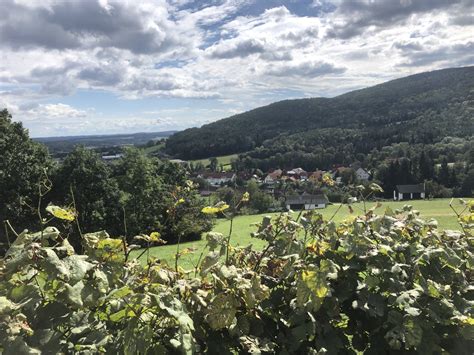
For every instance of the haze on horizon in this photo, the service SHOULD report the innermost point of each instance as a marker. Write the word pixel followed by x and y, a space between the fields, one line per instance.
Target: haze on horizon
pixel 106 67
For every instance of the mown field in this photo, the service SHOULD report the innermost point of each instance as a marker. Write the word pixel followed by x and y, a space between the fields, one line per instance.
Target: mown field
pixel 243 225
pixel 222 160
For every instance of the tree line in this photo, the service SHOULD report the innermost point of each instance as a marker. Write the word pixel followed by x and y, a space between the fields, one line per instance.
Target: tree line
pixel 137 194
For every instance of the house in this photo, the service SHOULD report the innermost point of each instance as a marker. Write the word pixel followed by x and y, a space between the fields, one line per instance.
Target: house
pixel 272 177
pixel 218 178
pixel 298 174
pixel 316 176
pixel 409 192
pixel 179 162
pixel 110 158
pixel 362 175
pixel 306 202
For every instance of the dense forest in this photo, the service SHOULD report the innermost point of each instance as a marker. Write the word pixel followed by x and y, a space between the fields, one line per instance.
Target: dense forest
pixel 420 109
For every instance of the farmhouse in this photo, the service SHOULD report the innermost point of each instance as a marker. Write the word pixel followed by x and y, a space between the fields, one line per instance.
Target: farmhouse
pixel 298 174
pixel 272 177
pixel 218 178
pixel 362 174
pixel 316 176
pixel 306 202
pixel 409 192
pixel 110 158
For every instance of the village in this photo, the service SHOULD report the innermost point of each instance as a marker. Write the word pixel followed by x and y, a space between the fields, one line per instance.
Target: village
pixel 297 189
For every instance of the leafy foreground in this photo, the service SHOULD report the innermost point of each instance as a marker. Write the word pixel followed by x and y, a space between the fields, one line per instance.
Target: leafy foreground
pixel 378 284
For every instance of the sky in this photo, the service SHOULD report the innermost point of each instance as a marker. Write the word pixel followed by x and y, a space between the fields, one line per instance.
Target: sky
pixel 103 67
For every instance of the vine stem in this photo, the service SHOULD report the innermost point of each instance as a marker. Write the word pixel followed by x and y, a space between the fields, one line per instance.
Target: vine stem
pixel 176 257
pixel 199 261
pixel 75 210
pixel 335 213
pixel 228 241
pixel 7 224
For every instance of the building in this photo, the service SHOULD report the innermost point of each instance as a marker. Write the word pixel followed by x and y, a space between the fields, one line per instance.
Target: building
pixel 306 202
pixel 316 176
pixel 409 192
pixel 218 178
pixel 362 175
pixel 298 174
pixel 272 177
pixel 110 158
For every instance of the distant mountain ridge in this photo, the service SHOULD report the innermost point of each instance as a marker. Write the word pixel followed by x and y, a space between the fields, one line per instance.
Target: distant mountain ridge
pixel 65 144
pixel 433 104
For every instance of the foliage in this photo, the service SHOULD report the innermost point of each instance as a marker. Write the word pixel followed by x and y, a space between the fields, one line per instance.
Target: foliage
pixel 374 283
pixel 315 133
pixel 83 179
pixel 22 163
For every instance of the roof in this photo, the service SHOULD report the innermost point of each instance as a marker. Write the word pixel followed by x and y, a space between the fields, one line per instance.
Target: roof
pixel 306 198
pixel 217 175
pixel 275 174
pixel 362 170
pixel 297 171
pixel 406 189
pixel 316 174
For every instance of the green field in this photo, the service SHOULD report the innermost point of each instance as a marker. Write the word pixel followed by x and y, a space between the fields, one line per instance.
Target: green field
pixel 224 160
pixel 154 148
pixel 438 209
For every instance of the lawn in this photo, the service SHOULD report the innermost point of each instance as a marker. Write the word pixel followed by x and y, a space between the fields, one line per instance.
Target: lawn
pixel 438 209
pixel 224 160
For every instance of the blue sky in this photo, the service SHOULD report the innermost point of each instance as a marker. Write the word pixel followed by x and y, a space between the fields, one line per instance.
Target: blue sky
pixel 103 67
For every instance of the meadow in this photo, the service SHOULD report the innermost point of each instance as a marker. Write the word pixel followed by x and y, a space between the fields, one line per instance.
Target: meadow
pixel 223 160
pixel 243 226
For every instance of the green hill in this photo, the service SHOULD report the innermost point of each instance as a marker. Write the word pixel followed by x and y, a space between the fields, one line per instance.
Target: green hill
pixel 422 108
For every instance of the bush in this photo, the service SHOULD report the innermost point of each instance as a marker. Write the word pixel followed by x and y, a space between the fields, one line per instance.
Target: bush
pixel 377 284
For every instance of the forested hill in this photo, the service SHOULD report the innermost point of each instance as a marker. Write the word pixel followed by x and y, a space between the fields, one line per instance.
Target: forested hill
pixel 421 108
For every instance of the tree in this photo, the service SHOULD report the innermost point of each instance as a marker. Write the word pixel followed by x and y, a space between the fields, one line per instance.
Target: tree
pixel 22 165
pixel 142 192
pixel 213 163
pixel 426 166
pixel 467 186
pixel 444 173
pixel 84 176
pixel 156 196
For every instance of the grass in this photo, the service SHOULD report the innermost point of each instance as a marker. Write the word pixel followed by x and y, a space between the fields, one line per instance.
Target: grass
pixel 153 149
pixel 243 225
pixel 224 160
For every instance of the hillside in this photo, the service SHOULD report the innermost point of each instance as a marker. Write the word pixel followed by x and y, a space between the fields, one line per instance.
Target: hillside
pixel 422 108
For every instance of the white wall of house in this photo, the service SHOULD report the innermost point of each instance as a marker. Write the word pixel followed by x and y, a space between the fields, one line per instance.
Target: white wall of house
pixel 399 196
pixel 362 175
pixel 309 206
pixel 218 181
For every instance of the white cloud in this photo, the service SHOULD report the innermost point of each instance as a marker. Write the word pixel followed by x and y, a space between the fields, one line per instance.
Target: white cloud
pixel 185 50
pixel 45 112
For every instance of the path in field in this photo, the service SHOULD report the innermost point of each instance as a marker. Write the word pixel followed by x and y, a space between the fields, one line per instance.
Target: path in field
pixel 438 209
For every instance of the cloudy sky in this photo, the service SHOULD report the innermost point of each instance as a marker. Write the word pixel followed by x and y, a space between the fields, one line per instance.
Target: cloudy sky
pixel 98 66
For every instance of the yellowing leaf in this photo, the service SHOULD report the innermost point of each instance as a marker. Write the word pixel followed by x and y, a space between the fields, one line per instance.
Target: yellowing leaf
pixel 315 283
pixel 155 236
pixel 219 207
pixel 61 213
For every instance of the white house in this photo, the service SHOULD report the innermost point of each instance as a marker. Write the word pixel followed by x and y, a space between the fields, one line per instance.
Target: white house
pixel 362 174
pixel 306 202
pixel 409 192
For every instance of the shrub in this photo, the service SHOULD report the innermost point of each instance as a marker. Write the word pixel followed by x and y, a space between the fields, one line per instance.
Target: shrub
pixel 375 283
